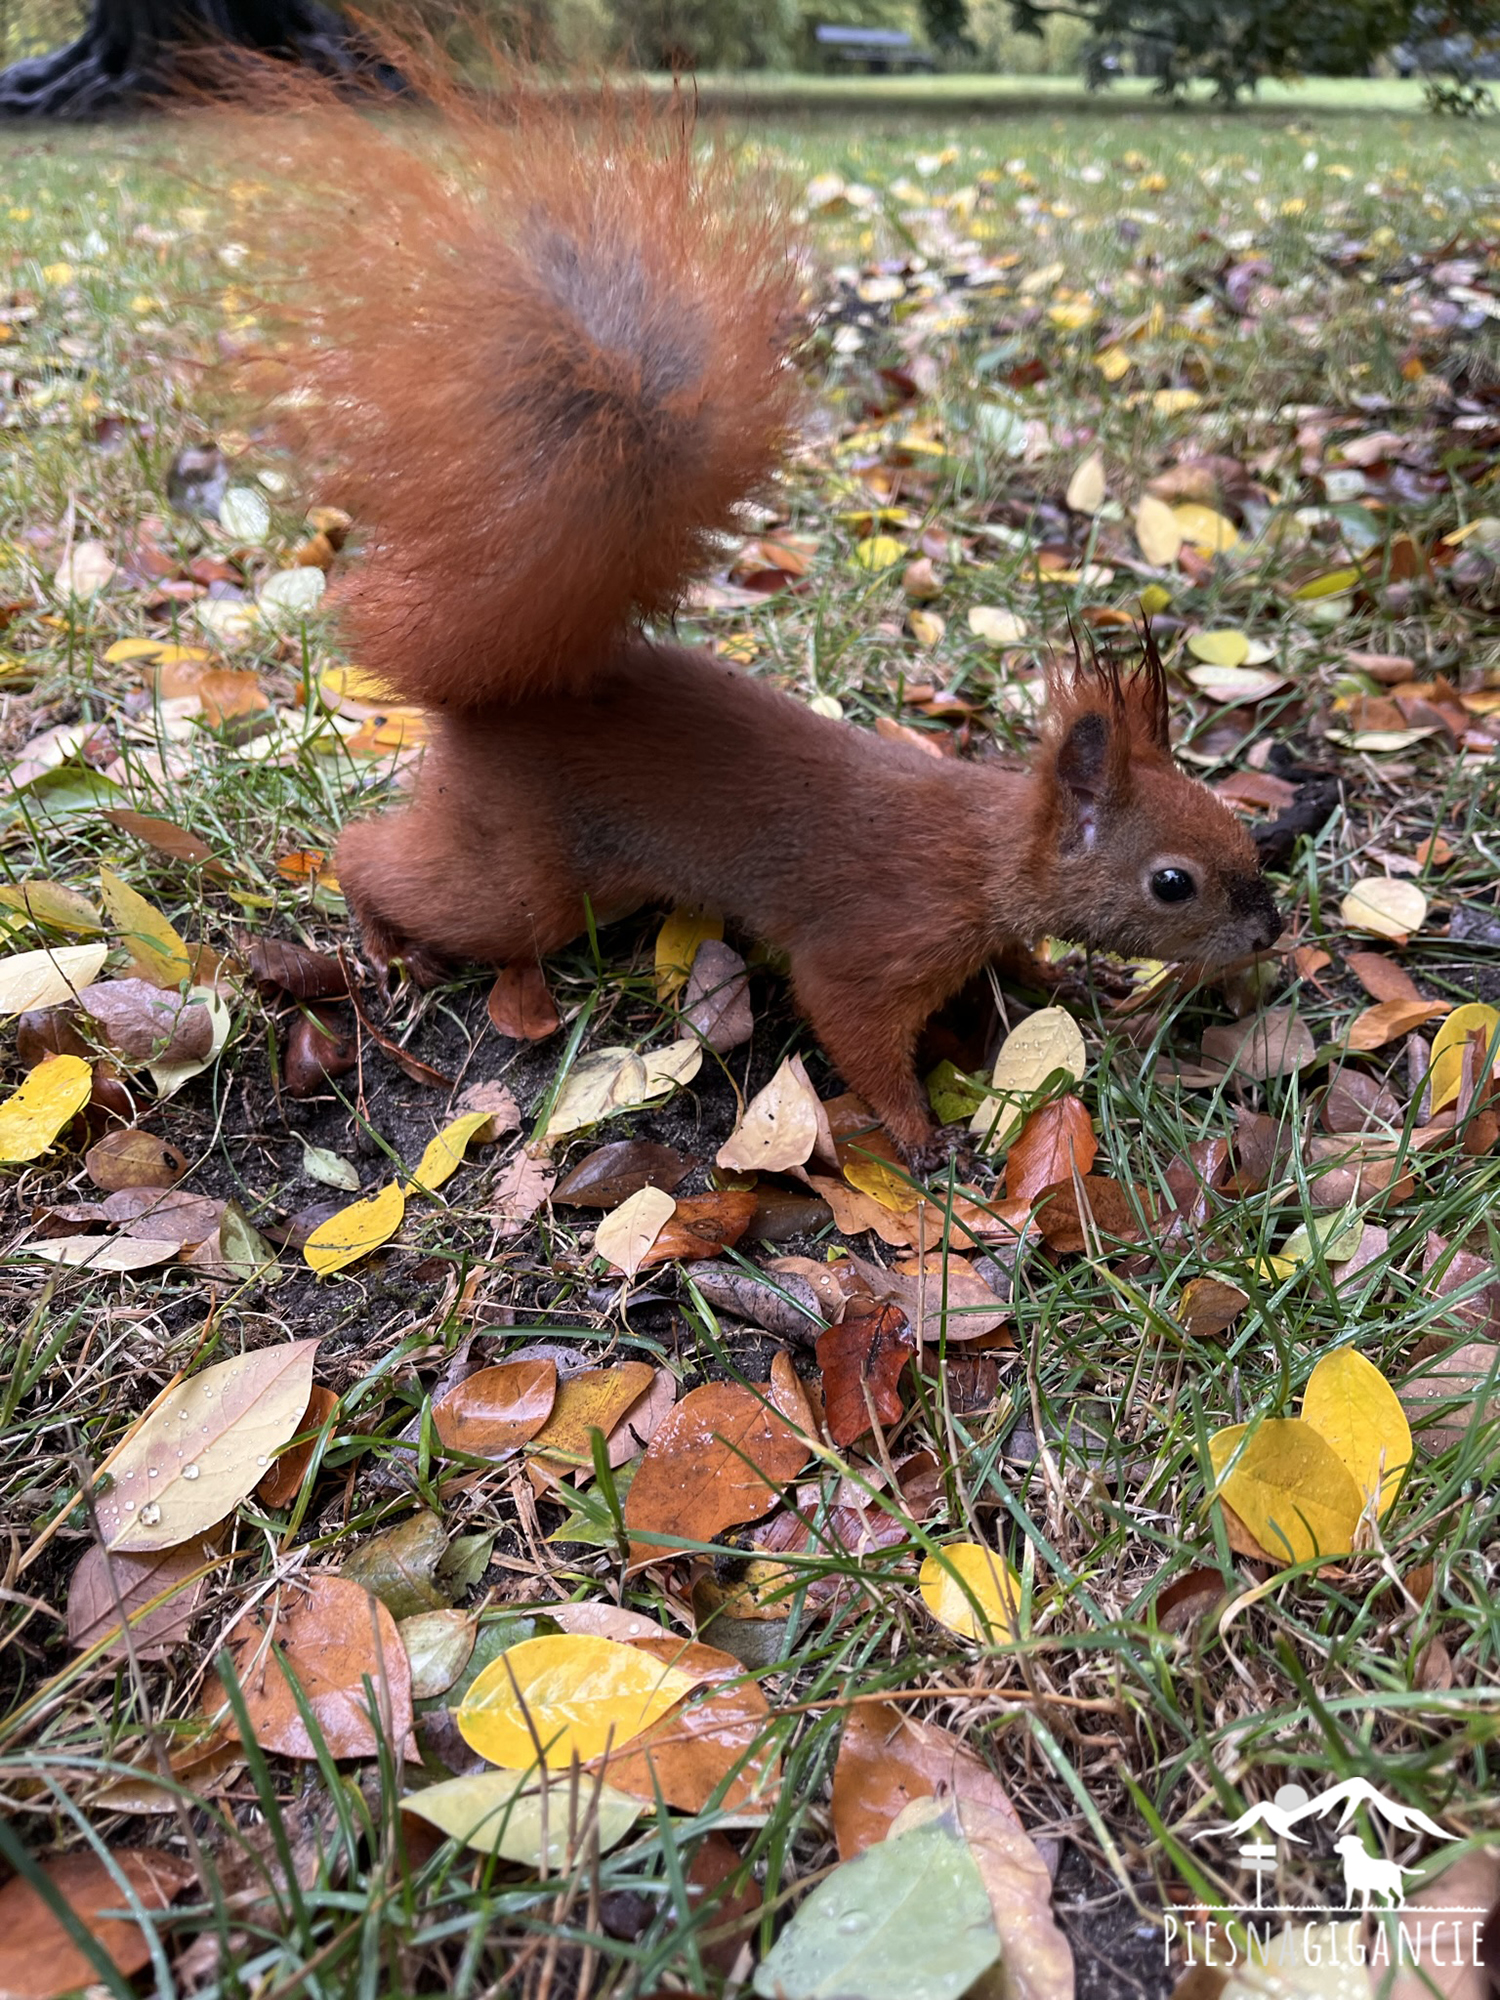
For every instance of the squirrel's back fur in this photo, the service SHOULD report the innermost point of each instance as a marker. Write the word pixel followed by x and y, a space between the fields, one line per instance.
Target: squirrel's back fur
pixel 540 349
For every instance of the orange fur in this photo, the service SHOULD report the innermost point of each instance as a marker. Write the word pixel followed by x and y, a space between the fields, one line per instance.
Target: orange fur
pixel 547 364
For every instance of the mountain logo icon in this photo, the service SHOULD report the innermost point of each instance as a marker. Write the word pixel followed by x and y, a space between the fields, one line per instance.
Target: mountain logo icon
pixel 1293 1805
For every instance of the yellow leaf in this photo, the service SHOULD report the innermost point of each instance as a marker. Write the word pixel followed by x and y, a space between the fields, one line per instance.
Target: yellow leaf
pixel 1072 314
pixel 1225 648
pixel 1352 1407
pixel 628 1232
pixel 985 1577
pixel 575 1694
pixel 1290 1488
pixel 677 942
pixel 509 1813
pixel 1158 531
pixel 1154 598
pixel 1086 489
pixel 779 1128
pixel 161 955
pixel 444 1154
pixel 341 684
pixel 999 626
pixel 31 1117
pixel 1446 1073
pixel 52 903
pixel 57 274
pixel 1046 1041
pixel 882 1183
pixel 48 978
pixel 181 656
pixel 1334 584
pixel 132 649
pixel 927 627
pixel 1385 907
pixel 1205 529
pixel 878 552
pixel 611 1080
pixel 1172 402
pixel 1112 363
pixel 355 1231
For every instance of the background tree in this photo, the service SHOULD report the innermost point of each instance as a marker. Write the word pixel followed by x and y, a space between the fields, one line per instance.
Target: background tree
pixel 128 49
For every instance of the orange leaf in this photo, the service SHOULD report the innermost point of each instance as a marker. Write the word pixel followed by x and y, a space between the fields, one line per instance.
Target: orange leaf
pixel 887 1759
pixel 1055 1142
pixel 862 1362
pixel 520 1005
pixel 694 1747
pixel 719 1458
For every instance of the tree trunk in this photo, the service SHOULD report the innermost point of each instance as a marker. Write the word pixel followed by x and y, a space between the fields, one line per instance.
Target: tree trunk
pixel 125 55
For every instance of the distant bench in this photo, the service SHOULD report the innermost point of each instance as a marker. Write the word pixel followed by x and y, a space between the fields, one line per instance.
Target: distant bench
pixel 878 49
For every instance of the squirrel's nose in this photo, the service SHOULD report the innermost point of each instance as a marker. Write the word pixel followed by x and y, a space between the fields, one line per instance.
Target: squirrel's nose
pixel 1270 928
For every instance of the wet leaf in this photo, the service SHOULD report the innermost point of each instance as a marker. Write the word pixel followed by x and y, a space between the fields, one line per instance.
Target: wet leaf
pixel 1384 906
pixel 569 1696
pixel 779 1128
pixel 643 1419
pixel 335 1636
pixel 1445 1076
pixel 628 1232
pixel 497 1410
pixel 1036 1958
pixel 966 1575
pixel 862 1361
pixel 1290 1488
pixel 907 1920
pixel 707 1741
pixel 1045 1043
pixel 677 944
pixel 520 1005
pixel 133 1158
pixel 1352 1406
pixel 887 1759
pixel 1055 1142
pixel 716 1002
pixel 444 1153
pixel 1450 1396
pixel 701 1225
pixel 1069 1224
pixel 38 1959
pixel 593 1399
pixel 50 978
pixel 355 1231
pixel 608 1081
pixel 42 1106
pixel 400 1565
pixel 511 1814
pixel 161 955
pixel 283 1482
pixel 107 1589
pixel 610 1174
pixel 438 1645
pixel 719 1458
pixel 204 1446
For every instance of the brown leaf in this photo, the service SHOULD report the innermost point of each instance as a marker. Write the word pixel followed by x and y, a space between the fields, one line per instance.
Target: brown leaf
pixel 604 1621
pixel 702 1225
pixel 1436 1966
pixel 280 965
pixel 695 1746
pixel 1208 1306
pixel 1446 1270
pixel 166 837
pixel 497 1101
pixel 283 1482
pixel 789 1396
pixel 334 1634
pixel 319 1047
pixel 1188 1599
pixel 1106 1205
pixel 142 1023
pixel 1381 977
pixel 497 1410
pixel 941 1295
pixel 521 1188
pixel 1036 1954
pixel 1056 1141
pixel 133 1158
pixel 166 1214
pixel 38 1960
pixel 1389 1019
pixel 861 1363
pixel 1354 1102
pixel 734 1910
pixel 1261 1146
pixel 720 1458
pixel 716 1002
pixel 887 1759
pixel 48 1031
pixel 1274 1043
pixel 595 1399
pixel 1441 1395
pixel 643 1419
pixel 1193 1177
pixel 106 1589
pixel 611 1174
pixel 520 1005
pixel 784 1303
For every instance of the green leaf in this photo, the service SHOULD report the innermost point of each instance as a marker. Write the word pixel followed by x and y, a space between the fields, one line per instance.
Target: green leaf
pixel 503 1812
pixel 908 1919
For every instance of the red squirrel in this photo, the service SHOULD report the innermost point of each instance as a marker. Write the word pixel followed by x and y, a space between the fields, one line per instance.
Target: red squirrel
pixel 548 361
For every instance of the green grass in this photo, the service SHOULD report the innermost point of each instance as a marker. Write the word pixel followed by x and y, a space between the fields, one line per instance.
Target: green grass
pixel 1090 1466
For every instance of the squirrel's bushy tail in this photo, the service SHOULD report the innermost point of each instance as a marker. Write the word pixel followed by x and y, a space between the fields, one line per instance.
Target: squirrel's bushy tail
pixel 541 350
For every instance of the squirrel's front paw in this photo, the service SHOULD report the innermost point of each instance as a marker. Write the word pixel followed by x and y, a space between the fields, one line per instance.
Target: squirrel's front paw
pixel 934 1153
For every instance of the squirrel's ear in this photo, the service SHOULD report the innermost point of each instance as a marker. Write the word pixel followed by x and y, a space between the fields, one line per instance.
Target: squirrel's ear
pixel 1090 772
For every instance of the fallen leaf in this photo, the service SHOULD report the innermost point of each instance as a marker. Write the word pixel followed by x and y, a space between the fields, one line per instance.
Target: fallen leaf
pixel 1450 1396
pixel 400 1564
pixel 1087 487
pixel 203 1447
pixel 1054 1143
pixel 40 1961
pixel 707 1742
pixel 1071 1213
pixel 628 1232
pixel 50 903
pixel 50 978
pixel 158 951
pixel 862 1361
pixel 1445 1073
pixel 39 1109
pixel 521 1188
pixel 106 1590
pixel 1046 1043
pixel 720 1458
pixel 677 944
pixel 973 1591
pixel 83 572
pixel 1036 1957
pixel 1388 1020
pixel 888 1759
pixel 593 1399
pixel 996 625
pixel 1350 1404
pixel 1290 1488
pixel 608 1081
pixel 356 1230
pixel 283 1482
pixel 133 1158
pixel 1204 529
pixel 444 1154
pixel 716 1002
pixel 1158 531
pixel 520 1005
pixel 104 1253
pixel 1381 977
pixel 779 1128
pixel 573 1695
pixel 438 1647
pixel 643 1419
pixel 1384 906
pixel 701 1225
pixel 610 1174
pixel 496 1410
pixel 334 1637
pixel 1227 648
pixel 1209 1307
pixel 1274 1043
pixel 140 1023
pixel 515 1815
pixel 1236 685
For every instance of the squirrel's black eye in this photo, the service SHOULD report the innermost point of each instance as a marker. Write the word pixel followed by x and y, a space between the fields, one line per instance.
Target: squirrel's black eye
pixel 1173 885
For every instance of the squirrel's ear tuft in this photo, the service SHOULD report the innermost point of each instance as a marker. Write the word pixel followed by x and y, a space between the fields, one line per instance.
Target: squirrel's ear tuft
pixel 1082 761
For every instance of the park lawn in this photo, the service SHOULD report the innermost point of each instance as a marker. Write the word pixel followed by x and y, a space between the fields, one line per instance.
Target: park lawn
pixel 981 274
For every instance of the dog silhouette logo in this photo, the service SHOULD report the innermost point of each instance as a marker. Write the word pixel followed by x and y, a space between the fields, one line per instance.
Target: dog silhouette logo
pixel 1367 1874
